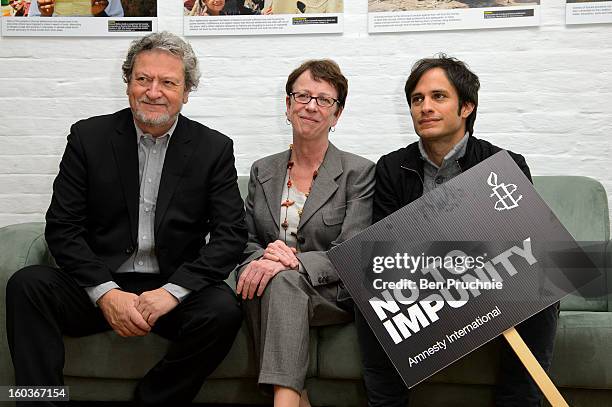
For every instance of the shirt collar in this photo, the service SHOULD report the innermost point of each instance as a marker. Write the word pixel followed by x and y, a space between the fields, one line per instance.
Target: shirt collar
pixel 140 133
pixel 454 154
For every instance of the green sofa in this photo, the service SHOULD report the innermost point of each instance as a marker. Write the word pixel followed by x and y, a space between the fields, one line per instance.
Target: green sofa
pixel 106 366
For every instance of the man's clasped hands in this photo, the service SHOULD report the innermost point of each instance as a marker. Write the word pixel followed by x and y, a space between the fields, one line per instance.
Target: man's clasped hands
pixel 134 315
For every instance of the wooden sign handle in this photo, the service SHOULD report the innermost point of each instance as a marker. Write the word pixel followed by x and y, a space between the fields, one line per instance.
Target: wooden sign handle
pixel 534 368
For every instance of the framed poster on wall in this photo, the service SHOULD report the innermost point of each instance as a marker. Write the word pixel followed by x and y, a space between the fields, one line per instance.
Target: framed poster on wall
pixel 253 17
pixel 78 17
pixel 429 15
pixel 588 11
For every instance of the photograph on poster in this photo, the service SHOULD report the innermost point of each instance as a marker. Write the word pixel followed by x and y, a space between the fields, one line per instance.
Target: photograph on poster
pixel 424 15
pixel 78 17
pixel 257 7
pixel 306 6
pixel 79 8
pixel 407 5
pixel 15 8
pixel 587 1
pixel 224 7
pixel 262 16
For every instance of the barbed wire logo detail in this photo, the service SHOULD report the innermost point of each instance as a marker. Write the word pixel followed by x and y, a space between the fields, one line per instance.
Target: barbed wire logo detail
pixel 504 194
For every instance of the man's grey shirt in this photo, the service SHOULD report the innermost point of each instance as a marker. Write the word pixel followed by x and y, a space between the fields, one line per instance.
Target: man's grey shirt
pixel 151 155
pixel 434 176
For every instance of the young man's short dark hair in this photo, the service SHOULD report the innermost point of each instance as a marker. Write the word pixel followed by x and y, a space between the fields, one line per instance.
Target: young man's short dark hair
pixel 466 82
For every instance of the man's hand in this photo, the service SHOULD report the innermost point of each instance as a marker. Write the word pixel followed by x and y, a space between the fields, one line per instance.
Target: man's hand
pixel 279 251
pixel 154 304
pixel 46 7
pixel 119 309
pixel 98 6
pixel 256 276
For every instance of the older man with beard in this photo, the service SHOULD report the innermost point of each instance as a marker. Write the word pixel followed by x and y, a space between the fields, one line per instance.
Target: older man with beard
pixel 138 192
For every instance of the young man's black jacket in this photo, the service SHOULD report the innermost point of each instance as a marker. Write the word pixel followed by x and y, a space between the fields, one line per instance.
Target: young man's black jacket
pixel 399 174
pixel 399 181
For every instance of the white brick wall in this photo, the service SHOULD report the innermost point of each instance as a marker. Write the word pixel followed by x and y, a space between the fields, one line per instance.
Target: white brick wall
pixel 546 92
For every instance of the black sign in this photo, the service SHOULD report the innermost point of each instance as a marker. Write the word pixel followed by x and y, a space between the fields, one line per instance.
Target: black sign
pixel 454 269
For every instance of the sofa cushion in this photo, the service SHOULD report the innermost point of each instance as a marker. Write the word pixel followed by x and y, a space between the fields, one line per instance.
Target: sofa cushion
pixel 581 205
pixel 107 355
pixel 339 352
pixel 583 350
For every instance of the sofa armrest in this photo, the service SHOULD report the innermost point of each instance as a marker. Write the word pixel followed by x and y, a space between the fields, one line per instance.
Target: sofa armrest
pixel 20 245
pixel 608 271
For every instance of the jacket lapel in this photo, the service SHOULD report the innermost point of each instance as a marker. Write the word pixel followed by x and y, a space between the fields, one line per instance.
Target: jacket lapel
pixel 125 150
pixel 272 179
pixel 324 185
pixel 179 151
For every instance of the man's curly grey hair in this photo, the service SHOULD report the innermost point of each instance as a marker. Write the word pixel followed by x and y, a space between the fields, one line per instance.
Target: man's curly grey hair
pixel 168 42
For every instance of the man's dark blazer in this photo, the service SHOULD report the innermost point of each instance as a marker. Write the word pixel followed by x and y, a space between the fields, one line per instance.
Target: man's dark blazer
pixel 92 222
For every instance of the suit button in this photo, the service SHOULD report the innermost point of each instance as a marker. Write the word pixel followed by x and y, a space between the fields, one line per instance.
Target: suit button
pixel 129 250
pixel 439 180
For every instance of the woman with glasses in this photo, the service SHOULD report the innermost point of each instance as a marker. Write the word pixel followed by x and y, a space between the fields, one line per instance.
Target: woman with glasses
pixel 301 202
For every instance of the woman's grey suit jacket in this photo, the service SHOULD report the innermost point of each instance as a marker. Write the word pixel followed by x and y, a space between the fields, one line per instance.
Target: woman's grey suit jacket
pixel 338 207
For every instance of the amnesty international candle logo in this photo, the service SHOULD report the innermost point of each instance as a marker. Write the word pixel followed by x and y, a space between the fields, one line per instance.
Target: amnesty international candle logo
pixel 451 271
pixel 503 193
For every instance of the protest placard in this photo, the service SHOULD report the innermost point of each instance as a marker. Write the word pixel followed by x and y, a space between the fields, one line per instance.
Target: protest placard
pixel 459 266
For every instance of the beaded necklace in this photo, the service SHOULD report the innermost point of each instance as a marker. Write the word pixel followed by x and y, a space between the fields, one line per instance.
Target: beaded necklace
pixel 289 202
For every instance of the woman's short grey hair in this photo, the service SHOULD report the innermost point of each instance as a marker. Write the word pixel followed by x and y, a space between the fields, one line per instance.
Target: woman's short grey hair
pixel 168 42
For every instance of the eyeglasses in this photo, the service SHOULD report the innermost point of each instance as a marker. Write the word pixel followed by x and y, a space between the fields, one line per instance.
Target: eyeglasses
pixel 167 84
pixel 305 98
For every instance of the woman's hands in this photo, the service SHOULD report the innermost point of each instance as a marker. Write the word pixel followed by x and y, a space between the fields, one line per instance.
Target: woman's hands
pixel 255 277
pixel 280 252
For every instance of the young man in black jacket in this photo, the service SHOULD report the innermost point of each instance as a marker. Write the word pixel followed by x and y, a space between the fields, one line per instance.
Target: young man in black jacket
pixel 443 97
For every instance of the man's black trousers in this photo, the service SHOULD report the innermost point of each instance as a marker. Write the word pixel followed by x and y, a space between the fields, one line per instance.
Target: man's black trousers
pixel 44 303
